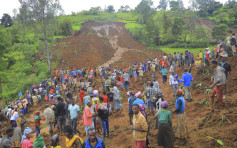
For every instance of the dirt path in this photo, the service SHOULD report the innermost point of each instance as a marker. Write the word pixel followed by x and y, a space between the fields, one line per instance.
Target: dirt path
pixel 114 30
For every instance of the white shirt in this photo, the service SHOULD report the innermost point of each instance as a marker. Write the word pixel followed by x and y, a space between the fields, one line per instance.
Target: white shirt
pixel 173 80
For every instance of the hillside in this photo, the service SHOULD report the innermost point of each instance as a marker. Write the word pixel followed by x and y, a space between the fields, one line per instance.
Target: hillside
pixel 201 121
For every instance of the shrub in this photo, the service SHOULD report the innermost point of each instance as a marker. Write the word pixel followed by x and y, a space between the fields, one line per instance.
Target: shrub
pixel 41 67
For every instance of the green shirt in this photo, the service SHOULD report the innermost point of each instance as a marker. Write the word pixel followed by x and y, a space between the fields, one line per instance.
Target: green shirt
pixel 165 116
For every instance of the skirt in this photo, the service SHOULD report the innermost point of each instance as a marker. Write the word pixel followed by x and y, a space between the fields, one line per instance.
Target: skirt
pixel 182 131
pixel 165 135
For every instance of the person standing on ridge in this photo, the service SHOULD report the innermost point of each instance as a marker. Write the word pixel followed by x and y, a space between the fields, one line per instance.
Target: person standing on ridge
pixel 187 78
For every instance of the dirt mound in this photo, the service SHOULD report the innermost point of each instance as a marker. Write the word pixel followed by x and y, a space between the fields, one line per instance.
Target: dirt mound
pixel 96 44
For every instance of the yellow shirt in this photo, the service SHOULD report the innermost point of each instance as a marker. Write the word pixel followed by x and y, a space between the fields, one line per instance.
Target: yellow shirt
pixel 139 121
pixel 200 55
pixel 56 146
pixel 199 62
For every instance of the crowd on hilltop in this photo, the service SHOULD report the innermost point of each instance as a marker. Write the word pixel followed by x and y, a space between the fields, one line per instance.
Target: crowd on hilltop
pixel 75 95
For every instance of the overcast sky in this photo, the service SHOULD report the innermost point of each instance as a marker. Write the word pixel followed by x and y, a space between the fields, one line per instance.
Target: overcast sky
pixel 7 6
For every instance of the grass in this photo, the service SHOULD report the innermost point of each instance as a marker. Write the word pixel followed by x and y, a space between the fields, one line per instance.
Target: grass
pixel 182 50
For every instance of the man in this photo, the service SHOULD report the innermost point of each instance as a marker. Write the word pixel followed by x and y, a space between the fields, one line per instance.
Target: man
pixel 151 92
pixel 108 84
pixel 93 141
pixel 17 135
pixel 233 43
pixel 6 141
pixel 155 84
pixel 227 68
pixel 173 80
pixel 219 83
pixel 164 73
pixel 178 58
pixel 60 113
pixel 50 118
pixel 74 115
pixel 131 99
pixel 170 59
pixel 126 80
pixel 139 127
pixel 187 79
pixel 200 55
pixel 72 141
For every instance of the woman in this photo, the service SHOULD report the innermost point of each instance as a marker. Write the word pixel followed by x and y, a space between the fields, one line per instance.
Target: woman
pixel 165 133
pixel 117 103
pixel 180 110
pixel 88 115
pixel 72 141
pixel 103 113
pixel 26 138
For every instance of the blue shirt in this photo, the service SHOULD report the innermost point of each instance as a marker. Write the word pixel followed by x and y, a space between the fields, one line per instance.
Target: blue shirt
pixel 139 101
pixel 186 79
pixel 20 94
pixel 163 72
pixel 73 111
pixel 72 73
pixel 180 105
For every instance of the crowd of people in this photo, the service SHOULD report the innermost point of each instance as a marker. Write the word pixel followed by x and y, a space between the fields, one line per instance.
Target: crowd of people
pixel 75 95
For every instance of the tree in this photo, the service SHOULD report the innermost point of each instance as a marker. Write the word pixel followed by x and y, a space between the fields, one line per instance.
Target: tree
pixel 176 5
pixel 144 10
pixel 41 15
pixel 219 31
pixel 66 27
pixel 177 27
pixel 207 7
pixel 163 5
pixel 124 9
pixel 110 9
pixel 233 14
pixel 6 20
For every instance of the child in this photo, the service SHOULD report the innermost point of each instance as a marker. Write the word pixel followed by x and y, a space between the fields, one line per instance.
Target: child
pixel 37 123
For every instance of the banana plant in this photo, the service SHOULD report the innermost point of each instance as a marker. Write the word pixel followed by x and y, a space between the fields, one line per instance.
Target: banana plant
pixel 217 140
pixel 204 102
pixel 207 91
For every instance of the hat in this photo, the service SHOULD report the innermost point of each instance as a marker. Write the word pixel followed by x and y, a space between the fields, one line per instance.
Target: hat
pixel 9 130
pixel 180 91
pixel 87 101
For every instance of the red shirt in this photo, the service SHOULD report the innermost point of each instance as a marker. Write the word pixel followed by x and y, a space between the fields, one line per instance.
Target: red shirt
pixel 160 61
pixel 82 94
pixel 105 98
pixel 52 91
pixel 121 79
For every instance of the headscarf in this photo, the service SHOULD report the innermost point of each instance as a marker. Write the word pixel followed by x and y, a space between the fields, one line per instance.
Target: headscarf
pixel 26 132
pixel 164 104
pixel 39 142
pixel 180 92
pixel 87 101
